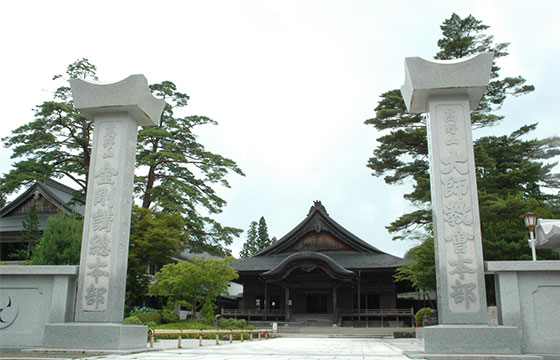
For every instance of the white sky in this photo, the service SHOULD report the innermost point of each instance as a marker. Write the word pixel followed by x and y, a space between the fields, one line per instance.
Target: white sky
pixel 289 82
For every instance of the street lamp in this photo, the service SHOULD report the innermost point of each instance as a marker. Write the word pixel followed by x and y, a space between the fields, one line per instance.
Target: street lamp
pixel 530 219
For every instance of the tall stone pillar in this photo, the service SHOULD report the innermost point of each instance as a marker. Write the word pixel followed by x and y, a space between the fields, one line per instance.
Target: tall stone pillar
pixel 116 110
pixel 448 91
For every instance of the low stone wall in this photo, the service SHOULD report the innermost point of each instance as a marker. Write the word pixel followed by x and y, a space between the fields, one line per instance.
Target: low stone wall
pixel 528 295
pixel 30 298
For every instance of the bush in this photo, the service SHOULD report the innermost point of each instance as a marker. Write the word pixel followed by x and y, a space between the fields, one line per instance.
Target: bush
pixel 141 310
pixel 147 317
pixel 168 317
pixel 132 320
pixel 421 315
pixel 232 324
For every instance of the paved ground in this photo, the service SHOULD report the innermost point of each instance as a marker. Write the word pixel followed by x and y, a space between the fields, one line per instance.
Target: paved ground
pixel 281 349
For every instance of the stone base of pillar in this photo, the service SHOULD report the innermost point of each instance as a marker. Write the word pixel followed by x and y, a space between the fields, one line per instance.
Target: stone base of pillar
pixel 96 336
pixel 471 342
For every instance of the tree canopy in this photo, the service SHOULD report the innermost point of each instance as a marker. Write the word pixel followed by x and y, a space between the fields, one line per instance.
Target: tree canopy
pixel 194 282
pixel 175 173
pixel 155 239
pixel 511 171
pixel 257 239
pixel 61 241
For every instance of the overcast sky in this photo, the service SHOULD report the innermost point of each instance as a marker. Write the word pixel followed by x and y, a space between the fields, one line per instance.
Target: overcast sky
pixel 289 82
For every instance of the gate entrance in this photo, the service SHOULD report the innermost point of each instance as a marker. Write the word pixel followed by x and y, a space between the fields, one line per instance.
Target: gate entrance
pixel 316 303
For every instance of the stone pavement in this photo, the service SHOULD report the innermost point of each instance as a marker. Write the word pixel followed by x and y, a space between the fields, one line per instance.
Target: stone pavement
pixel 280 348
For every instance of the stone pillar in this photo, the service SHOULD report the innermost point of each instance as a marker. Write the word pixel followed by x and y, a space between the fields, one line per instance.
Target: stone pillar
pixel 449 90
pixel 116 110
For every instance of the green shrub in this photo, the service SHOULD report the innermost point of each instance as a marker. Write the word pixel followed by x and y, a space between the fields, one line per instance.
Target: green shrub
pixel 231 324
pixel 147 317
pixel 168 317
pixel 132 320
pixel 421 315
pixel 141 310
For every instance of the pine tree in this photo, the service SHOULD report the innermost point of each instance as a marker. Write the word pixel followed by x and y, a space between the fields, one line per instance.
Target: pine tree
pixel 61 241
pixel 31 233
pixel 249 247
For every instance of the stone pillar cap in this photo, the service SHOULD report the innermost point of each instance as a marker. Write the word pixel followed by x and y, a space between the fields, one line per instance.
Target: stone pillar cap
pixel 465 76
pixel 131 95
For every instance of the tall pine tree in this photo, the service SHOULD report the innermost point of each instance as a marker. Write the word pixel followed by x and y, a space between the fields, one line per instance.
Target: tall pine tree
pixel 511 171
pixel 180 174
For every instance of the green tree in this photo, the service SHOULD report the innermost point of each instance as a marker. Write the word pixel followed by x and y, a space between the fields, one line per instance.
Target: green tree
pixel 419 266
pixel 155 238
pixel 30 236
pixel 402 153
pixel 510 171
pixel 61 241
pixel 257 239
pixel 57 143
pixel 31 233
pixel 249 247
pixel 181 174
pixel 195 282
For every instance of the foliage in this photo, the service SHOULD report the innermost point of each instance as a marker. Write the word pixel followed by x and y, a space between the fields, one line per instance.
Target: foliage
pixel 149 317
pixel 195 281
pixel 181 174
pixel 402 153
pixel 207 313
pixel 61 241
pixel 249 247
pixel 421 315
pixel 419 266
pixel 31 235
pixel 56 143
pixel 141 310
pixel 511 173
pixel 231 323
pixel 257 239
pixel 167 316
pixel 198 325
pixel 155 238
pixel 132 320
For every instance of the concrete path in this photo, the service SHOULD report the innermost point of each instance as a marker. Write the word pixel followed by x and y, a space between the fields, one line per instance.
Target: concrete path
pixel 281 348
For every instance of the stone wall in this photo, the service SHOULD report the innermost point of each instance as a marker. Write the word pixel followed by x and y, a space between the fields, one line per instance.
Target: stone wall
pixel 30 298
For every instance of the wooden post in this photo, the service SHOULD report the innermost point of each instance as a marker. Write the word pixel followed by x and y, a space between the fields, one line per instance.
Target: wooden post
pixel 251 336
pixel 286 303
pixel 241 335
pixel 151 338
pixel 200 338
pixel 231 337
pixel 217 338
pixel 335 310
pixel 179 345
pixel 259 335
pixel 265 299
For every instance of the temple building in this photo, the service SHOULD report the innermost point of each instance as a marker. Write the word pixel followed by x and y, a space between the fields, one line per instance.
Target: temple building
pixel 49 197
pixel 321 273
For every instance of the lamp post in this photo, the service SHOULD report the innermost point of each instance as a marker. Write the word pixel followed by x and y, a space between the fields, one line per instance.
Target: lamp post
pixel 530 219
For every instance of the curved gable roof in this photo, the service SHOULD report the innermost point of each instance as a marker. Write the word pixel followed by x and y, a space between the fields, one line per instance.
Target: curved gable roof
pixel 60 195
pixel 318 220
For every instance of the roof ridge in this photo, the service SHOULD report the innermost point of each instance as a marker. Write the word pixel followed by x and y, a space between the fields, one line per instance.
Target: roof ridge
pixel 318 220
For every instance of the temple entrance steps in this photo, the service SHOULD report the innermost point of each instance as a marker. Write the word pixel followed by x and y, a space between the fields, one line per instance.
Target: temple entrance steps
pixel 312 319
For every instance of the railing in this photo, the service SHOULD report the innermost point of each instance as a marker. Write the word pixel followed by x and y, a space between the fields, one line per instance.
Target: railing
pixel 265 332
pixel 252 312
pixel 380 312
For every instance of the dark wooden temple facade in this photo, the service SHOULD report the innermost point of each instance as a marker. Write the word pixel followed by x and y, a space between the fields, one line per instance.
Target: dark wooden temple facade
pixel 320 272
pixel 49 197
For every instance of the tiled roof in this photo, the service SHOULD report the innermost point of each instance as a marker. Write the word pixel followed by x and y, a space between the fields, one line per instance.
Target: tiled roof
pixel 345 260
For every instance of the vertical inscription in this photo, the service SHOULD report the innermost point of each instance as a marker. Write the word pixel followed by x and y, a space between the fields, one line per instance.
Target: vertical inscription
pixel 102 230
pixel 460 261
